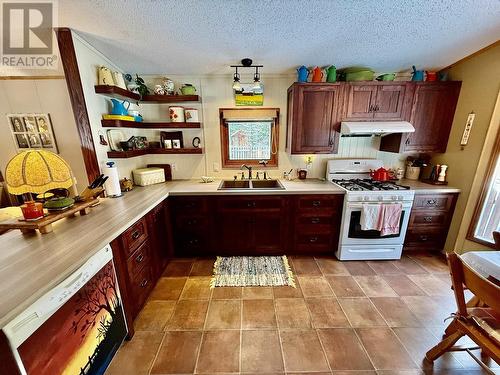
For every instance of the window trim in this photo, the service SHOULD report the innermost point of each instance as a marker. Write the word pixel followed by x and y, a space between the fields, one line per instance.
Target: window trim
pixel 224 141
pixel 495 155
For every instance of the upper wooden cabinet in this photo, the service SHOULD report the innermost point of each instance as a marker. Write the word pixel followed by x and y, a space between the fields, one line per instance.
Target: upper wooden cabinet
pixel 377 101
pixel 313 118
pixel 432 110
pixel 316 109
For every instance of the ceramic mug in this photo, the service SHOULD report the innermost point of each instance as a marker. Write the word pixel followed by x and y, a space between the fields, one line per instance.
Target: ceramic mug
pixel 106 76
pixel 119 81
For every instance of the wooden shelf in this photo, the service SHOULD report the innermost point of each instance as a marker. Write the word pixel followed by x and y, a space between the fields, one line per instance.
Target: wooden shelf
pixel 149 125
pixel 170 98
pixel 117 92
pixel 153 151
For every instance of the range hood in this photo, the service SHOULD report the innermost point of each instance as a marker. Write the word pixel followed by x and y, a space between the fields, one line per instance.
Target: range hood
pixel 375 127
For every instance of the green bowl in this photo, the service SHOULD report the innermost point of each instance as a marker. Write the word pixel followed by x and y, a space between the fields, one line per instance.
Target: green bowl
pixel 386 77
pixel 360 75
pixel 59 203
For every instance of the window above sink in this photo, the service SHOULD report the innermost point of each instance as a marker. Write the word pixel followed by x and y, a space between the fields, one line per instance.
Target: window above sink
pixel 249 136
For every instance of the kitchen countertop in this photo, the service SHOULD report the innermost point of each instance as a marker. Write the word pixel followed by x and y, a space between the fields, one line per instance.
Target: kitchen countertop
pixel 423 188
pixel 309 186
pixel 32 264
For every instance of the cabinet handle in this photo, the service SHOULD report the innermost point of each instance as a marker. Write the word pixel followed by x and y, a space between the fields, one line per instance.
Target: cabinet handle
pixel 144 283
pixel 313 239
pixel 315 220
pixel 407 142
pixel 251 204
pixel 139 258
pixel 192 222
pixel 428 219
pixel 330 142
pixel 316 203
pixel 193 241
pixel 136 235
pixel 431 202
pixel 377 108
pixel 423 237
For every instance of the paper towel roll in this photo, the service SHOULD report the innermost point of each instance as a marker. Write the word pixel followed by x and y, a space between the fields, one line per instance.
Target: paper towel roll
pixel 112 184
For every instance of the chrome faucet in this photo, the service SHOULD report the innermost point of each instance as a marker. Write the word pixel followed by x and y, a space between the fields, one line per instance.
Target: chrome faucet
pixel 249 170
pixel 264 163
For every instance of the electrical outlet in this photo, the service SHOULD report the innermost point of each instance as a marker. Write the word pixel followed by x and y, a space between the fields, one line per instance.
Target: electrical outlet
pixel 173 166
pixel 216 167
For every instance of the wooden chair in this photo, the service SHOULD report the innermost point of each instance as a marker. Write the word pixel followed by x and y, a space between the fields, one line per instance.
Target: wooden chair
pixel 478 323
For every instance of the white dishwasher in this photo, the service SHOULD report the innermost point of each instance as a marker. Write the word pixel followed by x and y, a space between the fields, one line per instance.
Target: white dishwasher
pixel 76 328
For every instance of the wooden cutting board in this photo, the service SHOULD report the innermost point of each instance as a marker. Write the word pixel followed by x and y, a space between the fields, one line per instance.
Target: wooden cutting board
pixel 44 225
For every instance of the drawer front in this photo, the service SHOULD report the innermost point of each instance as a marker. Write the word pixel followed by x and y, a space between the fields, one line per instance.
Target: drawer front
pixel 428 218
pixel 325 203
pixel 191 223
pixel 314 239
pixel 141 285
pixel 189 205
pixel 189 243
pixel 425 239
pixel 134 236
pixel 435 201
pixel 139 259
pixel 315 224
pixel 249 203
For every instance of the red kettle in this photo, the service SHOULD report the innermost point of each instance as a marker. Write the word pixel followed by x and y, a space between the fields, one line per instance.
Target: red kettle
pixel 380 174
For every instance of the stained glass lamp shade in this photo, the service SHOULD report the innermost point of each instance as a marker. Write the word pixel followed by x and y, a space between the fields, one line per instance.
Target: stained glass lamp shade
pixel 37 171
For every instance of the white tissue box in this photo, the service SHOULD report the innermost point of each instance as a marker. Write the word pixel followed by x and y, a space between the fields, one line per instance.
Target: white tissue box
pixel 148 176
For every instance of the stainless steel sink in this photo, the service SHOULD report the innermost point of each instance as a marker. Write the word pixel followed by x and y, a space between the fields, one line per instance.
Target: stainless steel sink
pixel 236 184
pixel 251 184
pixel 267 184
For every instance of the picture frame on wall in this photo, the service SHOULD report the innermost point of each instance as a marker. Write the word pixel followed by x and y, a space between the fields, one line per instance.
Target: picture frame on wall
pixel 17 124
pixel 22 141
pixel 32 131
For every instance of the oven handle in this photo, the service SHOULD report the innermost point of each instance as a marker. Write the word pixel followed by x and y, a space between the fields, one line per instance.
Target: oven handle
pixel 405 205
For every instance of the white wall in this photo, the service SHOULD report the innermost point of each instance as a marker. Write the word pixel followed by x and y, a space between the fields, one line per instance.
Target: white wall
pixel 216 92
pixel 42 96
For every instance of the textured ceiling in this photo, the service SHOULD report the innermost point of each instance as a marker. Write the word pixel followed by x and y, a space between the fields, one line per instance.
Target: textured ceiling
pixel 205 36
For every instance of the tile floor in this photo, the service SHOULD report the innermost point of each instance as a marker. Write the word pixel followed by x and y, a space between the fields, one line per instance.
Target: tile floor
pixel 344 318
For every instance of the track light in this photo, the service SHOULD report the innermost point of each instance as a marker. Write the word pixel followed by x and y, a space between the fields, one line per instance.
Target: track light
pixel 247 63
pixel 256 79
pixel 236 79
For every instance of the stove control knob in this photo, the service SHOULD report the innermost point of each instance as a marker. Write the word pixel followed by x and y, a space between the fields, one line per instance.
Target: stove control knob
pixel 360 198
pixel 394 198
pixel 400 197
pixel 366 198
pixel 380 198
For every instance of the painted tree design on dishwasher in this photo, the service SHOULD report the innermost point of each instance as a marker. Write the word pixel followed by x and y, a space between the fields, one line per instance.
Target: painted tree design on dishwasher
pixel 98 294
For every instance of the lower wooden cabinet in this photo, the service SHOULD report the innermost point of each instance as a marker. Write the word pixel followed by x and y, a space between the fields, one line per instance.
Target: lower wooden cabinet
pixel 256 225
pixel 316 226
pixel 141 253
pixel 430 221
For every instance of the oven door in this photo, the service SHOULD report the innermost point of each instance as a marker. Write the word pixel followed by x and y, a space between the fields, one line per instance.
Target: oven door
pixel 353 235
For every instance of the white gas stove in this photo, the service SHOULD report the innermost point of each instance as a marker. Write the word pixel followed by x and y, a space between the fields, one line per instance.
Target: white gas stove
pixel 353 175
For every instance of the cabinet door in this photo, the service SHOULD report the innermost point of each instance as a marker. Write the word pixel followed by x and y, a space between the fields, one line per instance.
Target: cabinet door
pixel 234 233
pixel 390 102
pixel 269 233
pixel 432 116
pixel 316 119
pixel 361 102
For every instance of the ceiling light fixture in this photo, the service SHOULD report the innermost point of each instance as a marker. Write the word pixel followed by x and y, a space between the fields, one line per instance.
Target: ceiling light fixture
pixel 236 81
pixel 256 80
pixel 247 63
